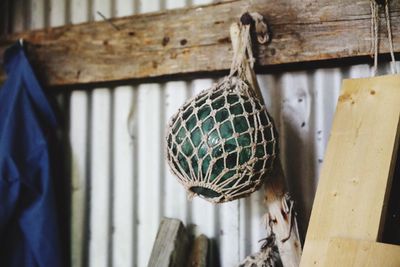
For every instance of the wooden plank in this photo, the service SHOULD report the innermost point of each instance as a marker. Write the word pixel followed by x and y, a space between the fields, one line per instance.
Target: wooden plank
pixel 171 245
pixel 356 174
pixel 199 254
pixel 356 253
pixel 196 39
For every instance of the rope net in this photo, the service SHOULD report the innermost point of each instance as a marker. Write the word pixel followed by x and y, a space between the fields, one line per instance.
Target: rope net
pixel 221 143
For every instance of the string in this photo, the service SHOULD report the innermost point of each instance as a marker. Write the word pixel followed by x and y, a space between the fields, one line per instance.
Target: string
pixel 243 55
pixel 239 51
pixel 239 54
pixel 389 29
pixel 375 36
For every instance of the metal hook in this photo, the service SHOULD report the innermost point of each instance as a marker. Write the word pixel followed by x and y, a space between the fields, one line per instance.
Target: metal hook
pixel 260 25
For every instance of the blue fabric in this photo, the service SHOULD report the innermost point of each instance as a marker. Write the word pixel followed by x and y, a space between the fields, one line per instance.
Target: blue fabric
pixel 28 229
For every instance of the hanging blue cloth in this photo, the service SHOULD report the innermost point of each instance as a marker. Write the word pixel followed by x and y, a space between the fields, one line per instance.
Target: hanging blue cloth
pixel 29 234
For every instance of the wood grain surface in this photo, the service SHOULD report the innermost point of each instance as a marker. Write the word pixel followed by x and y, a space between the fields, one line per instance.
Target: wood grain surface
pixel 356 176
pixel 359 253
pixel 196 39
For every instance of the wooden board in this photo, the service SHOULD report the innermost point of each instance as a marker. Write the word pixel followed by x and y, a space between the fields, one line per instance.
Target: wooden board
pixel 171 247
pixel 356 175
pixel 199 254
pixel 196 39
pixel 356 253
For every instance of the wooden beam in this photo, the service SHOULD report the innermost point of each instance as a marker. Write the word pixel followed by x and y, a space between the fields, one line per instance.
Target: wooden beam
pixel 359 253
pixel 355 180
pixel 197 40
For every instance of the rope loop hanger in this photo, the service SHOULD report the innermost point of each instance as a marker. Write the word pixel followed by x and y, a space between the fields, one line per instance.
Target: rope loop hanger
pixel 242 47
pixel 375 6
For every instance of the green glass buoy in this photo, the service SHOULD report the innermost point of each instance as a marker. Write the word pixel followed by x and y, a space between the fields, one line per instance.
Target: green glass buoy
pixel 221 143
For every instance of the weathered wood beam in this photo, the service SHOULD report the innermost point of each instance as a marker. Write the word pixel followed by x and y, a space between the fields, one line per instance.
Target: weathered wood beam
pixel 197 40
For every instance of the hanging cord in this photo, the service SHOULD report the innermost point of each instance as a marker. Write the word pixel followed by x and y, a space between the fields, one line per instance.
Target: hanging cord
pixel 389 30
pixel 375 36
pixel 238 65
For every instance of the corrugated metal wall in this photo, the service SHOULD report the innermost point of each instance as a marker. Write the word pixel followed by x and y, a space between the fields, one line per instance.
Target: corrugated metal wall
pixel 120 184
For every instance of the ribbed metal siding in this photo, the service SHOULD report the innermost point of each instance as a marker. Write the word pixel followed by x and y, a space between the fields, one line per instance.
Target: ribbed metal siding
pixel 120 184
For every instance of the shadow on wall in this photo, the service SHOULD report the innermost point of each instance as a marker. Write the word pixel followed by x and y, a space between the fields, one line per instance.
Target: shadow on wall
pixel 291 105
pixel 60 156
pixel 213 253
pixel 391 232
pixel 294 168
